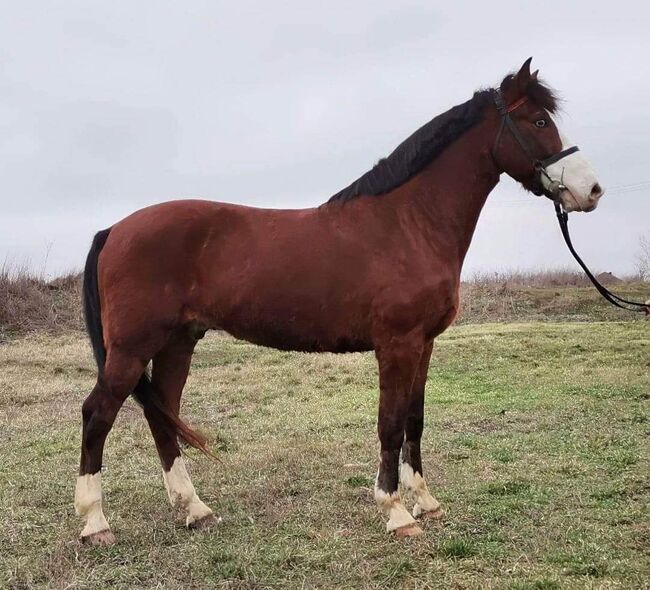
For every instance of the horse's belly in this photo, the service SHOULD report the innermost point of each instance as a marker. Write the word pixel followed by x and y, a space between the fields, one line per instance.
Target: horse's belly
pixel 302 332
pixel 287 339
pixel 300 343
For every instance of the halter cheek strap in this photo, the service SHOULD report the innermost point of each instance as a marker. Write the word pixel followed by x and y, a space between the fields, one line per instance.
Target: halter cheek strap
pixel 505 110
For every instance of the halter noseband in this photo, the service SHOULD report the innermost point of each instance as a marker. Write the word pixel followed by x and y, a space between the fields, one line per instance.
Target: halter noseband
pixel 551 188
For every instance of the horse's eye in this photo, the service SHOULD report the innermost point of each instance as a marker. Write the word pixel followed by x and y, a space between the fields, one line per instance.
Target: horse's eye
pixel 540 123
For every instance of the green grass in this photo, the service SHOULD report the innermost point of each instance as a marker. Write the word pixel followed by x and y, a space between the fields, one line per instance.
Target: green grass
pixel 536 443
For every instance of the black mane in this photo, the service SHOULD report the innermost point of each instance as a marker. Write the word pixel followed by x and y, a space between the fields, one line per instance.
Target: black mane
pixel 415 152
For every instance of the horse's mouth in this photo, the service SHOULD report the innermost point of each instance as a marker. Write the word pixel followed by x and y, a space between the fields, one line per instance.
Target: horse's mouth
pixel 571 203
pixel 572 208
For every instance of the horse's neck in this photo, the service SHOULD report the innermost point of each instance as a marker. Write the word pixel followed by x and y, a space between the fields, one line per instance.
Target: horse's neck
pixel 444 201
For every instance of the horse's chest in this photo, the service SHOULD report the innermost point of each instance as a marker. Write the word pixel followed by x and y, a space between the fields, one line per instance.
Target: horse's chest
pixel 434 307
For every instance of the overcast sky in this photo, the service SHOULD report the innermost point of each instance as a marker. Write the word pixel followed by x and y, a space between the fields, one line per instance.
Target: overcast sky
pixel 106 107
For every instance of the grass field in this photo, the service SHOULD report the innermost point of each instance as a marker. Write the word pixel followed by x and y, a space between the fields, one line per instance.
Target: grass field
pixel 536 442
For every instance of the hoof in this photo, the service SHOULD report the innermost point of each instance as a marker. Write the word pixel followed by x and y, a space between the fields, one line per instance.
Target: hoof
pixel 205 523
pixel 437 514
pixel 410 530
pixel 102 538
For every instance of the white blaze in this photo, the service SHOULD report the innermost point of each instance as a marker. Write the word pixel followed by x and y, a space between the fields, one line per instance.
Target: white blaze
pixel 182 494
pixel 576 173
pixel 88 503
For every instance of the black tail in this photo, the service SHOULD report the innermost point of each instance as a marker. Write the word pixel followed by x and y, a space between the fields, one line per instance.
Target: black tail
pixel 92 307
pixel 143 392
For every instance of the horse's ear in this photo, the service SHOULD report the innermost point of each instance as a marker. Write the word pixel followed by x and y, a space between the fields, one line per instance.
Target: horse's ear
pixel 523 76
pixel 533 76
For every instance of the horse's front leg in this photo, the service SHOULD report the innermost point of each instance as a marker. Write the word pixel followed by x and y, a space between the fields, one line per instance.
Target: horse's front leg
pixel 398 364
pixel 411 474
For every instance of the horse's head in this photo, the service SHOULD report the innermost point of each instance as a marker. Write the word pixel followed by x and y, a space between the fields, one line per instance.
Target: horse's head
pixel 532 150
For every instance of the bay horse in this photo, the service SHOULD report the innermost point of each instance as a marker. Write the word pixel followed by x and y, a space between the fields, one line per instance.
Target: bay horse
pixel 375 268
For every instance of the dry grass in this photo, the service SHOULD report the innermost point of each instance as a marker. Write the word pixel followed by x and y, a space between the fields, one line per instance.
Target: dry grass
pixel 536 441
pixel 28 303
pixel 558 277
pixel 552 295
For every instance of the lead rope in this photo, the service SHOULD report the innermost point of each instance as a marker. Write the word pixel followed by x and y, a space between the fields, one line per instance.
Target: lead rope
pixel 614 299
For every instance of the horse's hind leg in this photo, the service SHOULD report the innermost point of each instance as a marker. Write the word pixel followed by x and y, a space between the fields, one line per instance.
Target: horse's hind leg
pixel 120 375
pixel 170 369
pixel 411 474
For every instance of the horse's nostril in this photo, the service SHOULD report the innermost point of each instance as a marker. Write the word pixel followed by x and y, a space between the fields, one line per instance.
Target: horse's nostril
pixel 596 191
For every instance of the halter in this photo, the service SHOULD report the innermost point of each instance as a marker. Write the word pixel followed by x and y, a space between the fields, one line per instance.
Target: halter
pixel 550 187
